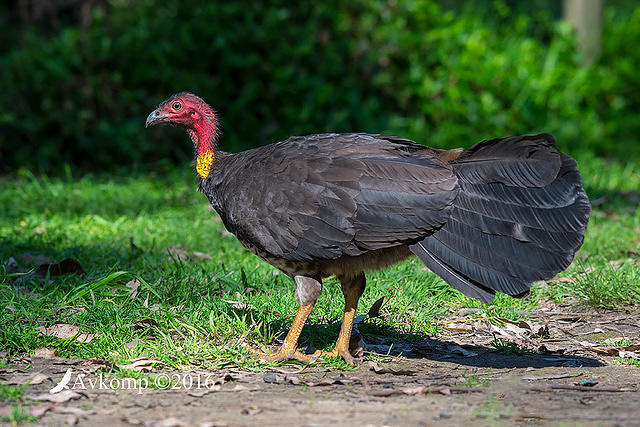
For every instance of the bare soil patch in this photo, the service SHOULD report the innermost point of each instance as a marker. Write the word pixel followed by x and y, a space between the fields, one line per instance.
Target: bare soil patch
pixel 559 366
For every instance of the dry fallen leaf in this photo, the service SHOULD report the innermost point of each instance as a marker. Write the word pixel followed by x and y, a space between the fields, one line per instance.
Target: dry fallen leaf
pixel 66 266
pixel 458 327
pixel 239 305
pixel 615 264
pixel 38 378
pixel 140 364
pixel 133 286
pixel 445 390
pixel 201 255
pixel 45 353
pixel 459 350
pixel 386 370
pixel 204 392
pixel 610 351
pixel 64 330
pixel 63 396
pixel 31 378
pixel 176 252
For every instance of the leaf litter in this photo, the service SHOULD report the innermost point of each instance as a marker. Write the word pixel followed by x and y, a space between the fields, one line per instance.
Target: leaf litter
pixel 180 253
pixel 437 372
pixel 64 331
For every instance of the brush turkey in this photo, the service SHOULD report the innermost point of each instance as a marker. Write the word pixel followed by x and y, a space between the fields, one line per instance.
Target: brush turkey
pixel 494 217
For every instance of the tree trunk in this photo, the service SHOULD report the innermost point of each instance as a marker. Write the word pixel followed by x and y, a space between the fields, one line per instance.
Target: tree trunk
pixel 586 18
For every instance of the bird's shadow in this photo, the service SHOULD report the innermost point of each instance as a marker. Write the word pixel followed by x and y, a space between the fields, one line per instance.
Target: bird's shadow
pixel 383 341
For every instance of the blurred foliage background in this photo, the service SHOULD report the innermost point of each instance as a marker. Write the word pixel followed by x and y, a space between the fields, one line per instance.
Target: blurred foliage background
pixel 79 77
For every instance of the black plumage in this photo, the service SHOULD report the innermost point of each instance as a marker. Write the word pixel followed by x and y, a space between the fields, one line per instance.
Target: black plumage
pixel 505 213
pixel 492 218
pixel 520 216
pixel 326 197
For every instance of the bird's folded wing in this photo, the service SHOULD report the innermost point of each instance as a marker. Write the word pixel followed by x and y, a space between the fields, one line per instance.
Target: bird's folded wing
pixel 324 196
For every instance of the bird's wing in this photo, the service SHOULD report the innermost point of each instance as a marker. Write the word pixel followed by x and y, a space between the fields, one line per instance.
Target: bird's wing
pixel 324 196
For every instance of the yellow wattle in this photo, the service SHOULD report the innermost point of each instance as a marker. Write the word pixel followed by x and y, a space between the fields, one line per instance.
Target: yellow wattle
pixel 204 162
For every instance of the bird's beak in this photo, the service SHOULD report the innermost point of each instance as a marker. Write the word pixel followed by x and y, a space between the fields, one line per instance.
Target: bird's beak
pixel 156 117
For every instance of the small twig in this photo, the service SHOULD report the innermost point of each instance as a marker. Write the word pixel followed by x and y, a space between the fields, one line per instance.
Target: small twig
pixel 553 377
pixel 575 416
pixel 551 387
pixel 468 389
pixel 564 331
pixel 618 319
pixel 427 390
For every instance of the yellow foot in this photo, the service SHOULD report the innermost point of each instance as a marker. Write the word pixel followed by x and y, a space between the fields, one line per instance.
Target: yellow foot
pixel 339 353
pixel 281 355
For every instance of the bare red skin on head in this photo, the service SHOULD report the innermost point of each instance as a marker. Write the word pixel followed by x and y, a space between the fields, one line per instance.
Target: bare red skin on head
pixel 196 116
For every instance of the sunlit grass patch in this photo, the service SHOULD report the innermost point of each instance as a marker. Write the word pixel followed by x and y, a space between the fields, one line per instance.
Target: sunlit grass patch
pixel 11 393
pixel 626 361
pixel 604 284
pixel 17 415
pixel 204 313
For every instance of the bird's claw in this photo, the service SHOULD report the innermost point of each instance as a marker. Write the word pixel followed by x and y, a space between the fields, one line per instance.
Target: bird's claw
pixel 335 353
pixel 286 354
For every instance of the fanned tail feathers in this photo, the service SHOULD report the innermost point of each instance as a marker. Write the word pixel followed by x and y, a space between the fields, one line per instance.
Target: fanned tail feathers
pixel 519 217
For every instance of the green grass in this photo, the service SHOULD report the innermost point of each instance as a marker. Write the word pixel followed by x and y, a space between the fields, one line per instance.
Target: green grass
pixel 626 361
pixel 471 379
pixel 18 415
pixel 11 393
pixel 179 316
pixel 507 347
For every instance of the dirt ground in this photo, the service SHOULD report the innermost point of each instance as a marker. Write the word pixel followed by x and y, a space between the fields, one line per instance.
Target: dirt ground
pixel 557 368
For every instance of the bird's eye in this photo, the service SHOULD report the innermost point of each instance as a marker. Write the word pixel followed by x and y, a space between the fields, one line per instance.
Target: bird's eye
pixel 176 106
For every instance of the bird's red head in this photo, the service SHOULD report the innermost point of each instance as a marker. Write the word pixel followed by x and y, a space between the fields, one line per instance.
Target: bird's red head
pixel 189 111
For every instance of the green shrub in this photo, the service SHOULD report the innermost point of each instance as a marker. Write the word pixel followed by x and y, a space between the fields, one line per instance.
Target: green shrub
pixel 407 67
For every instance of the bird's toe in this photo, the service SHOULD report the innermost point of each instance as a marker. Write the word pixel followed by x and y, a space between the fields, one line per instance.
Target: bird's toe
pixel 281 355
pixel 336 353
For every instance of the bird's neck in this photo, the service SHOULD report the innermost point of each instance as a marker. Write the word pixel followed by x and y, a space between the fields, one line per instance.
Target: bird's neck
pixel 203 136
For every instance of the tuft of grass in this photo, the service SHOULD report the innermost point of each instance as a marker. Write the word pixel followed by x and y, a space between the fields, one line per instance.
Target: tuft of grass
pixel 471 379
pixel 11 393
pixel 492 411
pixel 18 415
pixel 508 347
pixel 626 361
pixel 622 342
pixel 181 314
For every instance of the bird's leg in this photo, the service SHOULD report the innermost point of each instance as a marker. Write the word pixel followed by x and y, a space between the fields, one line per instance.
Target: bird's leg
pixel 308 290
pixel 352 289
